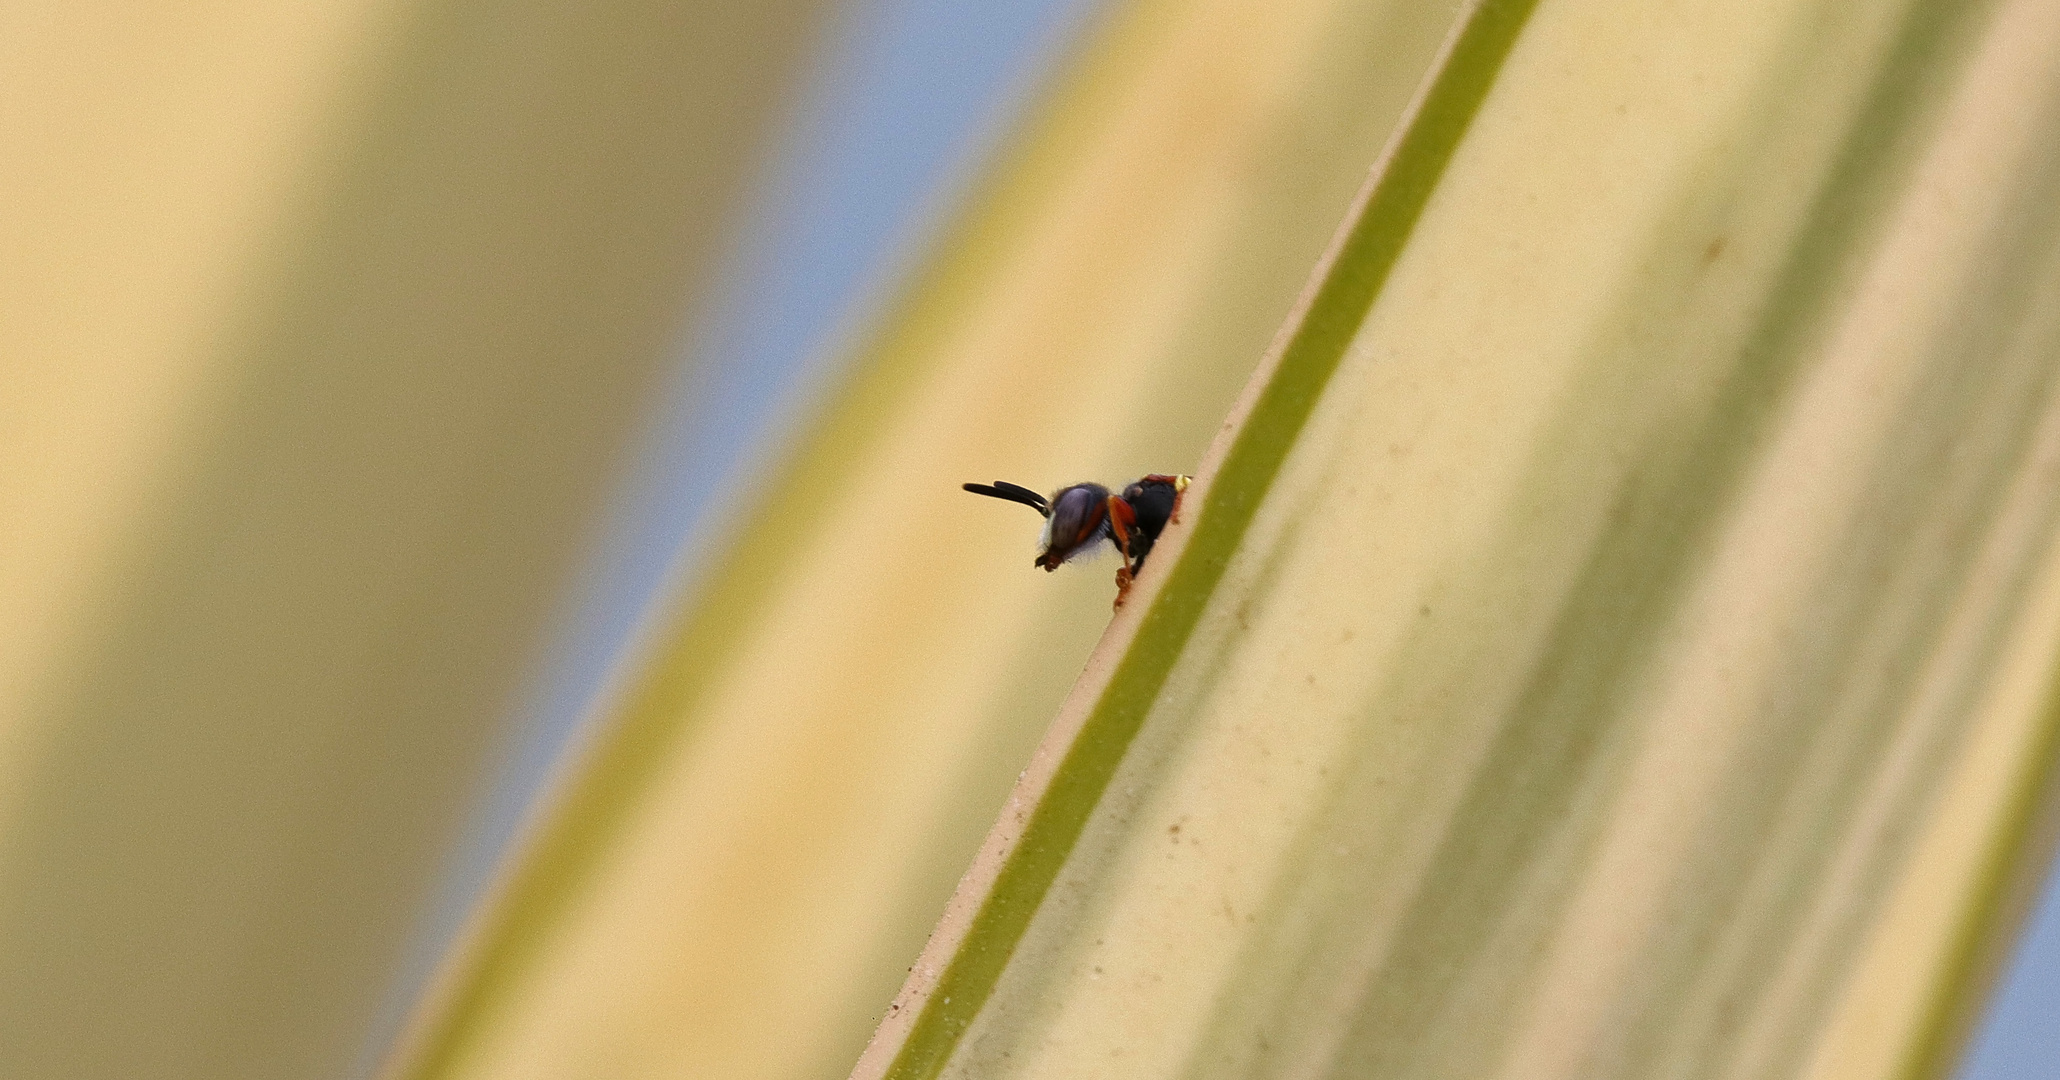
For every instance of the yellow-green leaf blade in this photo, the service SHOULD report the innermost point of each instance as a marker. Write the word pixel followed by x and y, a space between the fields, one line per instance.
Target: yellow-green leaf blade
pixel 1572 701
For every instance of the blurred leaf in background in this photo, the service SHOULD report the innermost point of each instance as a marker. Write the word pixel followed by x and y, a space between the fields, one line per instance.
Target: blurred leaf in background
pixel 900 101
pixel 324 323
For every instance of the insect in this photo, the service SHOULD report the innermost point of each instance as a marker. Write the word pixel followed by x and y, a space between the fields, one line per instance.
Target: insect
pixel 1077 518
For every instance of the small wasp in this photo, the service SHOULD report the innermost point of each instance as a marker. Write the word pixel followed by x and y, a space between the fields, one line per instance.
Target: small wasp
pixel 1076 518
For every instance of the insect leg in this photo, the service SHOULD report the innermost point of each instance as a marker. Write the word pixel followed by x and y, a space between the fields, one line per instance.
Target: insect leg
pixel 1122 522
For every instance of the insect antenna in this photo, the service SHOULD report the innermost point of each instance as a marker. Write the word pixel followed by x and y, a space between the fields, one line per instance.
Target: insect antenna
pixel 1002 489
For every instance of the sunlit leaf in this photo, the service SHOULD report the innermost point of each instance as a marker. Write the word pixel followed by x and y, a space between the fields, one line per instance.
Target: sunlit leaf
pixel 1616 635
